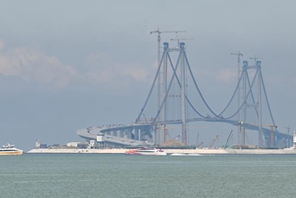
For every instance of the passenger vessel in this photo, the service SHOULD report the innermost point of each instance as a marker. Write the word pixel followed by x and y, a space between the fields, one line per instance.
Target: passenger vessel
pixel 146 151
pixel 9 149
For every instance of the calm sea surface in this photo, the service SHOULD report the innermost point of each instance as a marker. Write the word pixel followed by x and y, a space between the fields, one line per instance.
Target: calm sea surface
pixel 95 175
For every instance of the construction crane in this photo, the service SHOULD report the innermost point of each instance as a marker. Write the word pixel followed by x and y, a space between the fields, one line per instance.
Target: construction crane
pixel 181 39
pixel 227 141
pixel 197 138
pixel 177 137
pixel 159 39
pixel 199 145
pixel 272 128
pixel 288 128
pixel 255 58
pixel 212 143
pixel 167 129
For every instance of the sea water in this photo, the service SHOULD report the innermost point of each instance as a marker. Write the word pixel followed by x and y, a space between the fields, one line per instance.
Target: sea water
pixel 115 175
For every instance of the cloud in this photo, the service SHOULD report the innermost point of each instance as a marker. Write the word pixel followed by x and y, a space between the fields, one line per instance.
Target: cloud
pixel 1 44
pixel 226 76
pixel 101 69
pixel 32 65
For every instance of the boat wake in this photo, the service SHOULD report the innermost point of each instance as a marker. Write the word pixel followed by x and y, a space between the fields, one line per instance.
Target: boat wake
pixel 186 154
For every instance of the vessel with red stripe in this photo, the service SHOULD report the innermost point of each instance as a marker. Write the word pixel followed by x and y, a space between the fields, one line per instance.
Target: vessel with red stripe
pixel 146 151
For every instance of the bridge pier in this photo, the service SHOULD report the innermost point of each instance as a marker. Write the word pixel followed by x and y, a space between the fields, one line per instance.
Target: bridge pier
pixel 280 143
pixel 129 133
pixel 121 133
pixel 136 133
pixel 114 133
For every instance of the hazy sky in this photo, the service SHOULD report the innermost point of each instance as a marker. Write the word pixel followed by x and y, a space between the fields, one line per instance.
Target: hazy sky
pixel 67 65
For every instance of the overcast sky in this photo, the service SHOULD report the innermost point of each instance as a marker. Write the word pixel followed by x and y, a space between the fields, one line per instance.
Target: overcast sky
pixel 67 65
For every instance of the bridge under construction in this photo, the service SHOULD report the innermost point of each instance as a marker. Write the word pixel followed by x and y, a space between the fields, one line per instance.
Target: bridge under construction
pixel 172 98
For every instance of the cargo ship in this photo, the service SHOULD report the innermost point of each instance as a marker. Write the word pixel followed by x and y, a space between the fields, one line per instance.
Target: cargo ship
pixel 9 149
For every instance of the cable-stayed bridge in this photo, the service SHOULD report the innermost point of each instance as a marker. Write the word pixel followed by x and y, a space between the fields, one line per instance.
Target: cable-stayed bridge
pixel 176 99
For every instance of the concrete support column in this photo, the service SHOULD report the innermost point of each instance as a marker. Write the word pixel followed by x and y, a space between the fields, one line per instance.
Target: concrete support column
pixel 114 133
pixel 129 133
pixel 121 133
pixel 141 132
pixel 136 133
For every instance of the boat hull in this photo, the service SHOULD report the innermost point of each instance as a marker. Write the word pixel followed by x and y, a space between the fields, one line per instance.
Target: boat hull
pixel 11 152
pixel 146 152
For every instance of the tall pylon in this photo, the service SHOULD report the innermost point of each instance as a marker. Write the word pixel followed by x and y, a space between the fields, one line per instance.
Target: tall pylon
pixel 241 130
pixel 255 104
pixel 164 72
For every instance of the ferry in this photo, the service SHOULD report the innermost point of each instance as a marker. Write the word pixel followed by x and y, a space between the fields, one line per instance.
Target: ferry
pixel 146 151
pixel 9 149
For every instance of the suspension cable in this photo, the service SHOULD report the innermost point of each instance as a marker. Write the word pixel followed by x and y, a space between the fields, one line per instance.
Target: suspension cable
pixel 151 89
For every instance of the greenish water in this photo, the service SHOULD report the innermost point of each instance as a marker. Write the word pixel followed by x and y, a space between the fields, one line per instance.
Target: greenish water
pixel 95 175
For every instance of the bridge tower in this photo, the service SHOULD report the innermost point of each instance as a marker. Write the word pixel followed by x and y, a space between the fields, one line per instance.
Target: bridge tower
pixel 183 91
pixel 247 91
pixel 163 81
pixel 160 119
pixel 241 130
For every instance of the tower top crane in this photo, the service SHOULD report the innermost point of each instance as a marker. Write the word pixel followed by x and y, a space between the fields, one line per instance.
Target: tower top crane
pixel 159 38
pixel 238 60
pixel 255 58
pixel 181 39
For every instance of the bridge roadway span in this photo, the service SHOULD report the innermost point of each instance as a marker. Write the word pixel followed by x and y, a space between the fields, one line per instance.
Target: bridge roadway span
pixel 121 134
pixel 265 131
pixel 140 129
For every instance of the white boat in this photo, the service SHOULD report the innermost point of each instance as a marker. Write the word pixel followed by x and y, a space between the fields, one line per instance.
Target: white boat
pixel 146 151
pixel 9 149
pixel 185 154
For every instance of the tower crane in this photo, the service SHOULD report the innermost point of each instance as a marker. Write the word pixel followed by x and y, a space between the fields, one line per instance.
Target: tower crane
pixel 159 38
pixel 255 58
pixel 272 129
pixel 288 128
pixel 272 134
pixel 167 129
pixel 181 39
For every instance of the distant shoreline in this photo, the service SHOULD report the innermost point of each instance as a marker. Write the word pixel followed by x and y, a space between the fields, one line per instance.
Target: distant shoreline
pixel 168 151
